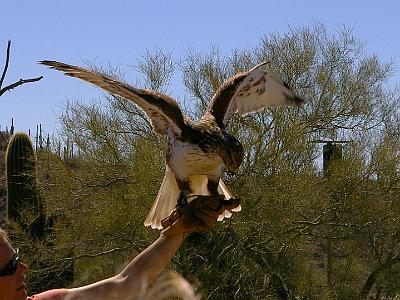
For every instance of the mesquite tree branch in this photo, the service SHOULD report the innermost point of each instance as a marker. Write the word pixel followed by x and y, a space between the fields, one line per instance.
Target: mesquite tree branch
pixel 6 65
pixel 17 83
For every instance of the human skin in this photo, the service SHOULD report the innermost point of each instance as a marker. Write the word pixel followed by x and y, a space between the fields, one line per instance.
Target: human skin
pixel 12 287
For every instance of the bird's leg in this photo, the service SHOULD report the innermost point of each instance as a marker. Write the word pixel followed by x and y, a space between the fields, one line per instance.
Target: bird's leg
pixel 182 200
pixel 184 188
pixel 212 186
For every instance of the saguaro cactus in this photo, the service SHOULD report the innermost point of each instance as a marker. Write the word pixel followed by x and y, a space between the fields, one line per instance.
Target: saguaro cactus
pixel 24 204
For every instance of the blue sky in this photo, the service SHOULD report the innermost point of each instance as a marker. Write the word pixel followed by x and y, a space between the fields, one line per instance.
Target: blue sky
pixel 119 32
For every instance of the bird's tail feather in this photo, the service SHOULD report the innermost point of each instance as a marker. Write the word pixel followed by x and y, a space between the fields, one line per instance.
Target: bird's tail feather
pixel 165 202
pixel 168 195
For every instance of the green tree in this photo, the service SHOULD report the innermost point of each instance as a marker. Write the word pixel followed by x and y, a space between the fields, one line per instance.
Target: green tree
pixel 276 248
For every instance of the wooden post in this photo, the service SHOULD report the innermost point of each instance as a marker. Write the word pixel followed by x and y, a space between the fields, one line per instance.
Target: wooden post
pixel 331 153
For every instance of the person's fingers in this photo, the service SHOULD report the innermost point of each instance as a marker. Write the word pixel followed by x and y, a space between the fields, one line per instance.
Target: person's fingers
pixel 172 218
pixel 203 228
pixel 199 215
pixel 231 203
pixel 183 226
pixel 206 216
pixel 214 202
pixel 218 203
pixel 204 213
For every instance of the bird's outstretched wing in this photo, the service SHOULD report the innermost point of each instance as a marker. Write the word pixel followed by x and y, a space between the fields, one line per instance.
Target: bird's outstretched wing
pixel 162 110
pixel 250 91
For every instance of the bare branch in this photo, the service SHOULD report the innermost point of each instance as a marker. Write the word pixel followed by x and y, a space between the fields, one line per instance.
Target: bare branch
pixel 6 65
pixel 18 83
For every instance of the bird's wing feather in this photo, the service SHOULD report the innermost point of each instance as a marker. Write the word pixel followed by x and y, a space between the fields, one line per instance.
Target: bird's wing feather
pixel 162 110
pixel 251 91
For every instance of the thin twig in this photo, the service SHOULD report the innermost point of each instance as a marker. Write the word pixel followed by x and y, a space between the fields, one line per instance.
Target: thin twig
pixel 6 65
pixel 17 83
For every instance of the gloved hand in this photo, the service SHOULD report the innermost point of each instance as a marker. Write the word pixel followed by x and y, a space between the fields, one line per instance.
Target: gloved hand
pixel 199 215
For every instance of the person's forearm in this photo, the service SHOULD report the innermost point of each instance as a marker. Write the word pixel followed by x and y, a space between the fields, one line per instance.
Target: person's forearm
pixel 136 276
pixel 146 266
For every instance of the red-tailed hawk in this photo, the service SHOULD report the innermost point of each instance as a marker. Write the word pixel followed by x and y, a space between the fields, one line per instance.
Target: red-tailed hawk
pixel 198 151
